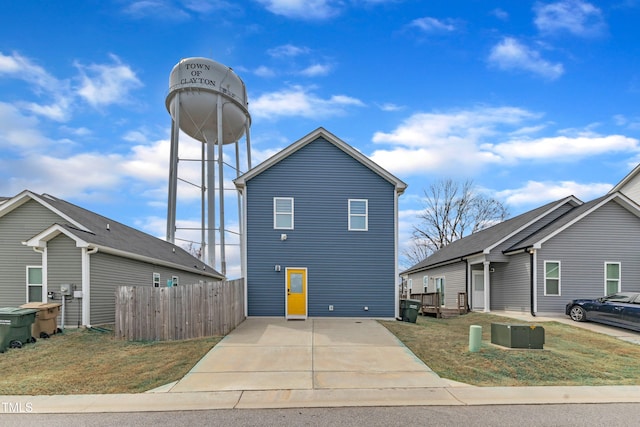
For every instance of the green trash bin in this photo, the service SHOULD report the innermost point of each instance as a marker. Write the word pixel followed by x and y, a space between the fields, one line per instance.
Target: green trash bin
pixel 15 327
pixel 409 308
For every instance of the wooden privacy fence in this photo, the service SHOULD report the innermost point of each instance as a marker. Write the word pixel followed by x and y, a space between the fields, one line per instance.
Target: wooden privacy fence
pixel 144 313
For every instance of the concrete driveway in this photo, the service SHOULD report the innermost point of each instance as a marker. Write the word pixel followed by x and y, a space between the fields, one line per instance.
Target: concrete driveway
pixel 312 354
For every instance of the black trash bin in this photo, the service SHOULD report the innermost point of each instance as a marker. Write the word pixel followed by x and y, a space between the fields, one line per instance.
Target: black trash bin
pixel 409 310
pixel 16 327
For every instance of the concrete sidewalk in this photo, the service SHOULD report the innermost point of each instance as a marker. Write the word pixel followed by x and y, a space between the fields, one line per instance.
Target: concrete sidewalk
pixel 274 363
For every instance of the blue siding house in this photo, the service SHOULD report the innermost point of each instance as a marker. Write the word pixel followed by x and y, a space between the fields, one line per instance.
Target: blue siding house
pixel 320 233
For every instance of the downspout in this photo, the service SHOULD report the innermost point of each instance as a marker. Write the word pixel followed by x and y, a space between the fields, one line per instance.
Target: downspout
pixel 534 297
pixel 86 285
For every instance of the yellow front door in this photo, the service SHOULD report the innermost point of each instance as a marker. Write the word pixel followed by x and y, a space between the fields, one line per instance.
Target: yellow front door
pixel 296 293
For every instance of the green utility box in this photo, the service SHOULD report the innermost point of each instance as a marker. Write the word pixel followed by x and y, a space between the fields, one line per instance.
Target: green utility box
pixel 409 310
pixel 15 327
pixel 517 336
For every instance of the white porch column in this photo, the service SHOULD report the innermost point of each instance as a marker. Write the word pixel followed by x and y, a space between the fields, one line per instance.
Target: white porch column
pixel 487 287
pixel 86 288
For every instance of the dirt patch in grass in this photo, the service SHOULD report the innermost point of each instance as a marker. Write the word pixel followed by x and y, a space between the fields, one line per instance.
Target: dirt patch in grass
pixel 85 361
pixel 571 355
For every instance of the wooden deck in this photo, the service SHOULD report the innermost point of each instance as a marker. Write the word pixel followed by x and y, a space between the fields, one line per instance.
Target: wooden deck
pixel 430 305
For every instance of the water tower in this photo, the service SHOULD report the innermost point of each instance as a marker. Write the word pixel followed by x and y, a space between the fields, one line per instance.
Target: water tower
pixel 208 102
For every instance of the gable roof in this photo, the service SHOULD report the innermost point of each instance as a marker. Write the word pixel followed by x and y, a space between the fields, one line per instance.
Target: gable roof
pixel 630 176
pixel 95 231
pixel 536 240
pixel 399 185
pixel 485 240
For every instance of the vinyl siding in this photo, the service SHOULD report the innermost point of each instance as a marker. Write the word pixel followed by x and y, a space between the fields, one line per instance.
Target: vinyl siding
pixel 108 272
pixel 17 226
pixel 346 269
pixel 511 284
pixel 454 281
pixel 611 234
pixel 632 189
pixel 64 266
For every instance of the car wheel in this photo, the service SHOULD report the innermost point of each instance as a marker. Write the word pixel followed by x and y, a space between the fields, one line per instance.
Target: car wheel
pixel 578 314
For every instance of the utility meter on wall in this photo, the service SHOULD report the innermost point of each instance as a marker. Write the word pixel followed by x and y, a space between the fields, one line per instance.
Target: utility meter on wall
pixel 66 289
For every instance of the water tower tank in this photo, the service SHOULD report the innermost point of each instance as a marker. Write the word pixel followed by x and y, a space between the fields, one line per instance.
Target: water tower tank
pixel 201 83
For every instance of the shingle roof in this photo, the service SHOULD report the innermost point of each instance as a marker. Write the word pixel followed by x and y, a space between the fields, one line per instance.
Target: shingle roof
pixel 481 240
pixel 569 217
pixel 116 237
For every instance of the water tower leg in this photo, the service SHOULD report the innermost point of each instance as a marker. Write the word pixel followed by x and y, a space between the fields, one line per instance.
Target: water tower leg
pixel 203 197
pixel 211 206
pixel 173 174
pixel 223 262
pixel 248 139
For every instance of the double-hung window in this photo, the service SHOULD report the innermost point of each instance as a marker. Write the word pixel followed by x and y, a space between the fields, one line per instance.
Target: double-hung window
pixel 611 278
pixel 283 213
pixel 358 215
pixel 156 280
pixel 552 278
pixel 34 283
pixel 425 284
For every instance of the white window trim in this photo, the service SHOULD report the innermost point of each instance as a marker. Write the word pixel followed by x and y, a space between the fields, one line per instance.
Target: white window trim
pixel 559 278
pixel 366 214
pixel 156 280
pixel 409 286
pixel 43 297
pixel 175 280
pixel 425 284
pixel 619 275
pixel 275 213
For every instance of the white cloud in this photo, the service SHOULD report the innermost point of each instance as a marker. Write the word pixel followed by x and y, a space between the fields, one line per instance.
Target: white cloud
pixel 433 25
pixel 299 101
pixel 20 132
pixel 500 14
pixel 473 139
pixel 18 67
pixel 388 106
pixel 573 16
pixel 105 84
pixel 564 148
pixel 541 192
pixel 155 8
pixel 264 71
pixel 510 54
pixel 287 51
pixel 303 9
pixel 316 70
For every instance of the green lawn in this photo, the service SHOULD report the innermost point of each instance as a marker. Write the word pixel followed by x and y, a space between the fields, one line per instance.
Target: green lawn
pixel 571 355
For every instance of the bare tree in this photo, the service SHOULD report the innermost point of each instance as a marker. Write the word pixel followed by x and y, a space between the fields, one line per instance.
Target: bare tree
pixel 452 210
pixel 194 250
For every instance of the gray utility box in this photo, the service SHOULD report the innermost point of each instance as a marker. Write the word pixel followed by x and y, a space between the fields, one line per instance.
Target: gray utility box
pixel 517 336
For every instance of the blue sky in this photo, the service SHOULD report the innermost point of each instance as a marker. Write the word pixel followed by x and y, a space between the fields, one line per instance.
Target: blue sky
pixel 534 101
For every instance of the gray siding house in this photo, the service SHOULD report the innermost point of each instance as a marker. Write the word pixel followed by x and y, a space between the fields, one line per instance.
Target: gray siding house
pixel 46 242
pixel 321 238
pixel 538 261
